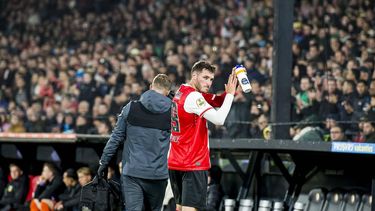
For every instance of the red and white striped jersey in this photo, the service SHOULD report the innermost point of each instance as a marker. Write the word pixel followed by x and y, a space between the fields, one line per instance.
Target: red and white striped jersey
pixel 189 139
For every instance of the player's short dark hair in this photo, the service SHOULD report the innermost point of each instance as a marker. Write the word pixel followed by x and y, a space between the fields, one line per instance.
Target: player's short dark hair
pixel 71 173
pixel 200 65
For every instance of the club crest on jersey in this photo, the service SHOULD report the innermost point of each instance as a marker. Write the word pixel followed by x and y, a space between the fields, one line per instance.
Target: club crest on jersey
pixel 178 94
pixel 201 102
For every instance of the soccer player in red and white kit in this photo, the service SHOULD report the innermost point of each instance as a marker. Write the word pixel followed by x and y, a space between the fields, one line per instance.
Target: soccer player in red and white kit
pixel 189 156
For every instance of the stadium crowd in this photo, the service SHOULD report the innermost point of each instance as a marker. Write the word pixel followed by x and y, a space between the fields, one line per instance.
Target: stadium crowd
pixel 70 66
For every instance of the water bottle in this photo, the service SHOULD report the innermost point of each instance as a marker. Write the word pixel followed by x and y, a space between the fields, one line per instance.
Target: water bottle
pixel 241 74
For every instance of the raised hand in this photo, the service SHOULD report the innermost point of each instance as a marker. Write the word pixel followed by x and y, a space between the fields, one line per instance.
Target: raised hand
pixel 231 86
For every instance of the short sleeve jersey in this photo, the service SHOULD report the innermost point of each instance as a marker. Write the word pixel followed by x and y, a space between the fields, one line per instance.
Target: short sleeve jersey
pixel 189 139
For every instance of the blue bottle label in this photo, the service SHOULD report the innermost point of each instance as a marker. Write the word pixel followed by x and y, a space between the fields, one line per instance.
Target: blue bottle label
pixel 244 81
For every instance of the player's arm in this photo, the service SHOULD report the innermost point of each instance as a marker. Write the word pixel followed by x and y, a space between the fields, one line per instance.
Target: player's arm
pixel 195 103
pixel 214 99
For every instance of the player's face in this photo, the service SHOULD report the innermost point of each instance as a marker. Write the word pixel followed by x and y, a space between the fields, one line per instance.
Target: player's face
pixel 203 80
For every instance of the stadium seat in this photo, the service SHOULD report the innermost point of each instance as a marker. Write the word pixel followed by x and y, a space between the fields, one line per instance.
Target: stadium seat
pixel 365 204
pixel 246 205
pixel 32 186
pixel 334 201
pixel 351 201
pixel 229 204
pixel 316 200
pixel 298 206
pixel 265 205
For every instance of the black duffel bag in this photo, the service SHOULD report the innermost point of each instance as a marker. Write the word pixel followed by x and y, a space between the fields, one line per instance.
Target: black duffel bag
pixel 101 195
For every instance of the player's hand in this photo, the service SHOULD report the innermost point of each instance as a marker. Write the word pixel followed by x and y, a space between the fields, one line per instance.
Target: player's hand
pixel 231 86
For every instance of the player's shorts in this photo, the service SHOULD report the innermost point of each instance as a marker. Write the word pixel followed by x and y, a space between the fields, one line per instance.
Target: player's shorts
pixel 189 188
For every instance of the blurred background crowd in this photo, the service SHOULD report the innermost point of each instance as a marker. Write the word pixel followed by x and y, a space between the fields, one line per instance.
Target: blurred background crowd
pixel 69 66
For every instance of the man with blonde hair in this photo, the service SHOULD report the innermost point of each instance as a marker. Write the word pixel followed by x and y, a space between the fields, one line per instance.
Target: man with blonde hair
pixel 144 126
pixel 84 175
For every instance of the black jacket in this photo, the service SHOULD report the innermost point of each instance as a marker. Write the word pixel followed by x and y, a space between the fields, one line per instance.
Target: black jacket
pixel 15 192
pixel 50 190
pixel 70 197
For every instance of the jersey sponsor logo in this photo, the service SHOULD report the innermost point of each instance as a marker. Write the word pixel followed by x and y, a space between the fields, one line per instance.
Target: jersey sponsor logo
pixel 178 94
pixel 200 102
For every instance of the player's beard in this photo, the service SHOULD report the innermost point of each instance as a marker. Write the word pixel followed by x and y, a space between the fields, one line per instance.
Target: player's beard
pixel 200 88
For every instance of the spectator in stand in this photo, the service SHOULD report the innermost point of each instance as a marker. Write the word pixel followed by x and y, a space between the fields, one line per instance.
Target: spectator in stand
pixel 312 107
pixel 16 124
pixel 262 123
pixel 34 124
pixel 15 191
pixel 67 125
pixel 82 125
pixel 239 112
pixel 4 120
pixel 349 116
pixel 84 108
pixel 337 134
pixel 369 131
pixel 371 109
pixel 329 123
pixel 330 99
pixel 361 100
